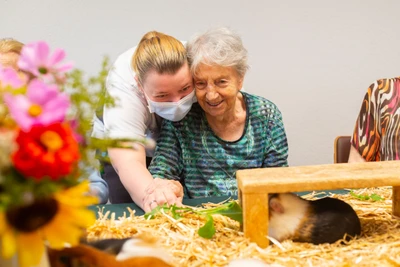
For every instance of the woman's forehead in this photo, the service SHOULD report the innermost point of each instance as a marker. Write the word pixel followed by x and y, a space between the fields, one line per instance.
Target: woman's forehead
pixel 162 83
pixel 214 71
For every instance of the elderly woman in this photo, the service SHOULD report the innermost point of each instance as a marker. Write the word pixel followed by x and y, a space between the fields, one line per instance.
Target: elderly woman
pixel 226 130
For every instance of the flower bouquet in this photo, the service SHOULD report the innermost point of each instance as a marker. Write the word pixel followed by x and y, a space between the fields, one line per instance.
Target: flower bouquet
pixel 43 155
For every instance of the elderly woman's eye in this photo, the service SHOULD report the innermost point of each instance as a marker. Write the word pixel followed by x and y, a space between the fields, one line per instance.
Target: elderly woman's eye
pixel 200 85
pixel 222 82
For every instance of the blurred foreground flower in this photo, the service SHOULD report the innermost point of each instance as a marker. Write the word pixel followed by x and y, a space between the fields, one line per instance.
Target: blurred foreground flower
pixel 10 78
pixel 58 219
pixel 45 152
pixel 49 151
pixel 42 200
pixel 36 59
pixel 42 105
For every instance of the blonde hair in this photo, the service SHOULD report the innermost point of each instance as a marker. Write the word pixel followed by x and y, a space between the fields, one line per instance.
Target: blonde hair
pixel 159 52
pixel 9 45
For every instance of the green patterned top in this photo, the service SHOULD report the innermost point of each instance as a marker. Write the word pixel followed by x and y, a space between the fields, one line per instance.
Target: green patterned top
pixel 190 152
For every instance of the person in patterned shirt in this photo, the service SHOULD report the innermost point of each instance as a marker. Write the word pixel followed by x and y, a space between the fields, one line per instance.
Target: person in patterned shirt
pixel 226 130
pixel 377 131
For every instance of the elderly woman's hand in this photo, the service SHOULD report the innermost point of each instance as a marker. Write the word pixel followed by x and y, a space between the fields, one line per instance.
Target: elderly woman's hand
pixel 162 191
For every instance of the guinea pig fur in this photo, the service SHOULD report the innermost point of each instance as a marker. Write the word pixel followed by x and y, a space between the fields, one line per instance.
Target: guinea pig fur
pixel 131 247
pixel 324 220
pixel 110 245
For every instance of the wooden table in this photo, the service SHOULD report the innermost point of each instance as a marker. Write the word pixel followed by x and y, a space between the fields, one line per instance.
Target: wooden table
pixel 256 184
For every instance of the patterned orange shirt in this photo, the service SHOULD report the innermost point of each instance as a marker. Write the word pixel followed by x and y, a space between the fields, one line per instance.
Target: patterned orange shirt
pixel 377 131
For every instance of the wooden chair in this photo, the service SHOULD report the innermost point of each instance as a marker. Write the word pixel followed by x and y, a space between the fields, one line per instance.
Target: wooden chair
pixel 341 149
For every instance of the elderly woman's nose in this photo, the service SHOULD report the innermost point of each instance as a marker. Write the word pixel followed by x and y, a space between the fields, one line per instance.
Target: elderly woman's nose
pixel 211 87
pixel 211 95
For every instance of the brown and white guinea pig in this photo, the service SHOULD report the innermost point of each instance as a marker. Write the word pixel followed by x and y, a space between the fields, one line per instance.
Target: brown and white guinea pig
pixel 324 220
pixel 130 247
pixel 109 245
pixel 132 252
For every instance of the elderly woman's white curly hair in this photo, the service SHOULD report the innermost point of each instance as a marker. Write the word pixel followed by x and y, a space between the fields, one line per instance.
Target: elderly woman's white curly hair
pixel 217 46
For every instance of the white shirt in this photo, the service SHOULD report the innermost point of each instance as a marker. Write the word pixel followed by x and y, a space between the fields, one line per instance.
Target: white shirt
pixel 130 116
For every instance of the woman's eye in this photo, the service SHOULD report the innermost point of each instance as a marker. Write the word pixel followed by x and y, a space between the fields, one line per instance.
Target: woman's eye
pixel 160 96
pixel 222 82
pixel 200 85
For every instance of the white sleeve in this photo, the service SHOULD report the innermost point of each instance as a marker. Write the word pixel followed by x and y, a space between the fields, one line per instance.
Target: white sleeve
pixel 97 128
pixel 127 118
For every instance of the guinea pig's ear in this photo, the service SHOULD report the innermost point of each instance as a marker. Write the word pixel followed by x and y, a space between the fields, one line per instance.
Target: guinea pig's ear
pixel 276 206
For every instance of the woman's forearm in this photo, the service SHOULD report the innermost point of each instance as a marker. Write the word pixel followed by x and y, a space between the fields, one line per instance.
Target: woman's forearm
pixel 136 178
pixel 145 191
pixel 131 168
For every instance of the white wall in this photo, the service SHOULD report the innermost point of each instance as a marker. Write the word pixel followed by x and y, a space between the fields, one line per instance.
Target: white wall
pixel 313 58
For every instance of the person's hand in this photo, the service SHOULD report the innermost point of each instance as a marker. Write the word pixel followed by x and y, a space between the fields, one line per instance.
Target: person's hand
pixel 162 191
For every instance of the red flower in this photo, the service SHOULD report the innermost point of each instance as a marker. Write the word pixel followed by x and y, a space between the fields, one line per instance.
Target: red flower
pixel 46 151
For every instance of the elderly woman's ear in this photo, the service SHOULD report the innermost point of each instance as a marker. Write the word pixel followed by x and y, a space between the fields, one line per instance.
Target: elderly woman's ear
pixel 241 83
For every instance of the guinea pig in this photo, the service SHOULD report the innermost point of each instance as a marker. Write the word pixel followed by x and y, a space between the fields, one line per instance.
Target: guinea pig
pixel 130 247
pixel 109 245
pixel 129 252
pixel 324 220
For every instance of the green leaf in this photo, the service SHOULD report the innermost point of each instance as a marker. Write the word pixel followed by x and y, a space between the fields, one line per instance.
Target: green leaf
pixel 372 197
pixel 208 229
pixel 153 212
pixel 174 212
pixel 376 197
pixel 230 209
pixel 233 211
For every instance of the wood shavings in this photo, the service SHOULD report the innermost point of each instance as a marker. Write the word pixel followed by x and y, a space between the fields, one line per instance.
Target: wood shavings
pixel 378 245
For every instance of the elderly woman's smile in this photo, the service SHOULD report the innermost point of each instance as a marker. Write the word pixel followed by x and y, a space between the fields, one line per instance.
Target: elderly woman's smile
pixel 214 104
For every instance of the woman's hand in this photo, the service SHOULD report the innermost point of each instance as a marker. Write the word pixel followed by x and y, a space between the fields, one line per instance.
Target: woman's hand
pixel 162 191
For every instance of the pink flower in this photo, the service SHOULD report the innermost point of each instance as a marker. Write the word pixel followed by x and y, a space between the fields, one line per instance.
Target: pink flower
pixel 9 77
pixel 43 104
pixel 36 59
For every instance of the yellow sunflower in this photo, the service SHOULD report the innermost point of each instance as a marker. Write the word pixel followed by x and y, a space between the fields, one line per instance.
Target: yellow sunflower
pixel 55 221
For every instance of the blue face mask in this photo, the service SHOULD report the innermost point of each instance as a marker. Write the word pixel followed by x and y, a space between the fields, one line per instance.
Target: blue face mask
pixel 173 111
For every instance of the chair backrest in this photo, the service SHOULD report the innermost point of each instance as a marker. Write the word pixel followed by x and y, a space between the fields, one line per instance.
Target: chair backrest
pixel 341 149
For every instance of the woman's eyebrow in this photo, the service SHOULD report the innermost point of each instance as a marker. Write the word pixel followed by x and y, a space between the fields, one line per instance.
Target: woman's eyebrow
pixel 186 85
pixel 160 93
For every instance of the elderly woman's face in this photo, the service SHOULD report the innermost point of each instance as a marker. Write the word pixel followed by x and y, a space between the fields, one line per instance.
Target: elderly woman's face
pixel 217 88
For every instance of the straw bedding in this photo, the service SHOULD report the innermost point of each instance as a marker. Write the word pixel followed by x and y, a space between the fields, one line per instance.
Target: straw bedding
pixel 378 245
